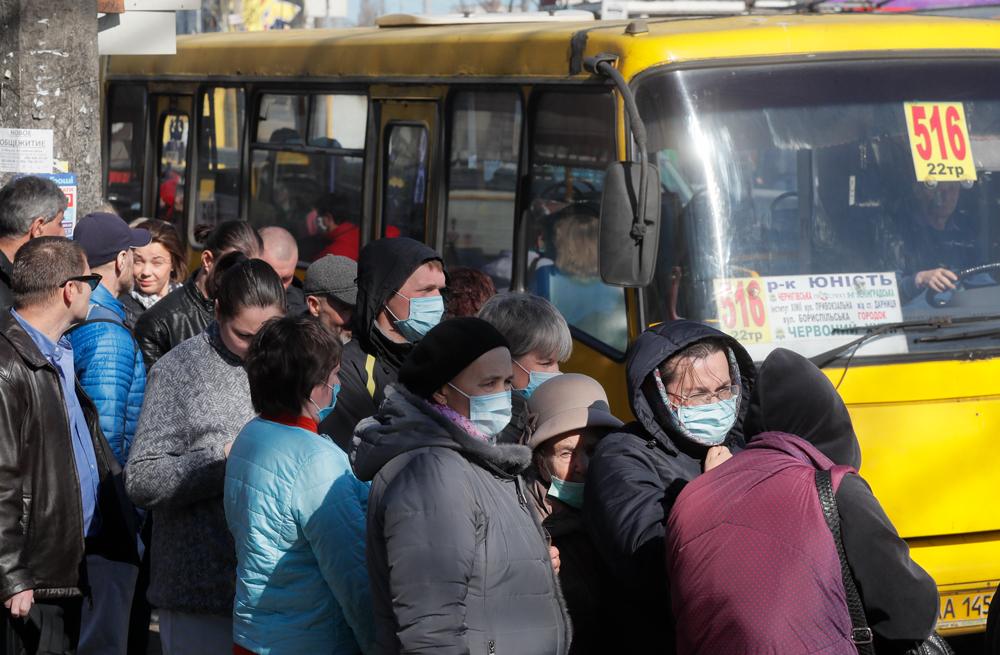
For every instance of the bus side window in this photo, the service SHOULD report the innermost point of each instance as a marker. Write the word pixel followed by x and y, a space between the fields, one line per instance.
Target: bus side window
pixel 126 141
pixel 315 195
pixel 174 131
pixel 572 143
pixel 482 181
pixel 405 199
pixel 220 137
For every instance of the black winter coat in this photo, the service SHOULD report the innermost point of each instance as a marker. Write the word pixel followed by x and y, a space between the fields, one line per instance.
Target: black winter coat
pixel 383 267
pixel 182 314
pixel 635 476
pixel 41 516
pixel 457 560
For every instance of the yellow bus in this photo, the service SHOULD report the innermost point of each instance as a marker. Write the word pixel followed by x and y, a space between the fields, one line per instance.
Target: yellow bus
pixel 809 179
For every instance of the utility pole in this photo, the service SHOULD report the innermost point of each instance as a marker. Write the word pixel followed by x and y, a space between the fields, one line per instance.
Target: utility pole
pixel 49 82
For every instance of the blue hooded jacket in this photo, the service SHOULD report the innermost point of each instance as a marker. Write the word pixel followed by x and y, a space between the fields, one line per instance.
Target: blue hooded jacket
pixel 109 366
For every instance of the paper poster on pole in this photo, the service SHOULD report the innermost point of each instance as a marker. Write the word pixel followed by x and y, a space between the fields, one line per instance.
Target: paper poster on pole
pixel 25 151
pixel 66 182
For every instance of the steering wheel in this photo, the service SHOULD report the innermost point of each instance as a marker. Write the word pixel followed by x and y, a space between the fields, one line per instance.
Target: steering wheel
pixel 946 297
pixel 782 197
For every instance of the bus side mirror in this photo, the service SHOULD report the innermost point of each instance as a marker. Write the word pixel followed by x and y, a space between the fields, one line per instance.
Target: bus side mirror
pixel 630 231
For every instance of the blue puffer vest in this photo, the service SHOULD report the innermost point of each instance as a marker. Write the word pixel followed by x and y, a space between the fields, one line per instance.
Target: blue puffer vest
pixel 109 365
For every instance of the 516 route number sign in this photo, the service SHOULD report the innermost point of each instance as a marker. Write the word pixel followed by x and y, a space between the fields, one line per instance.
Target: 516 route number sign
pixel 939 141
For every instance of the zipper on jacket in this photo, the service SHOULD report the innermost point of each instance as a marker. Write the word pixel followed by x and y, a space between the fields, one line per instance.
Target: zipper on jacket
pixel 520 495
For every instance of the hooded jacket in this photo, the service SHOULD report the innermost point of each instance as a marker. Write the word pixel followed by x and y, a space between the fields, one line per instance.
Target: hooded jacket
pixel 637 472
pixel 900 598
pixel 457 560
pixel 383 267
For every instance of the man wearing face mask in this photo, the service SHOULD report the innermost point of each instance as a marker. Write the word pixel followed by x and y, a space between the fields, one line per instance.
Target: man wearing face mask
pixel 689 387
pixel 567 416
pixel 398 302
pixel 457 559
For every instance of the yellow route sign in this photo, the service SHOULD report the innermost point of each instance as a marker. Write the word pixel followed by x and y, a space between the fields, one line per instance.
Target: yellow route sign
pixel 939 141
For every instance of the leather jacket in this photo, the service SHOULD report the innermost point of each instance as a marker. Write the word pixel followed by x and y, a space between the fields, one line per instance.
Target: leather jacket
pixel 41 516
pixel 182 314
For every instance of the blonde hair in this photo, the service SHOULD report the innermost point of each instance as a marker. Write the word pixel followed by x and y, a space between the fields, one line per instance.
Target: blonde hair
pixel 576 245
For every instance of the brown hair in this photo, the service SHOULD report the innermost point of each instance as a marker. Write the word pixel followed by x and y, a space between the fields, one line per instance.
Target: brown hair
pixel 468 289
pixel 165 234
pixel 41 265
pixel 679 364
pixel 288 357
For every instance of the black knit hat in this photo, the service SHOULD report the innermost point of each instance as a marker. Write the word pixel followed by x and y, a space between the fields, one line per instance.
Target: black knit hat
pixel 445 351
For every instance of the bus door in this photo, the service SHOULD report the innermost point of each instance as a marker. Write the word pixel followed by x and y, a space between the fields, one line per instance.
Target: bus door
pixel 407 168
pixel 172 123
pixel 125 155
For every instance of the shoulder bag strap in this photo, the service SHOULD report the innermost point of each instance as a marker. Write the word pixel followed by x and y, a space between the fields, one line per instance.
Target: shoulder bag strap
pixel 861 634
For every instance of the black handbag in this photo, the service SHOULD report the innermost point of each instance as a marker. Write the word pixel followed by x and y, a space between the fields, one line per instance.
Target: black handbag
pixel 861 634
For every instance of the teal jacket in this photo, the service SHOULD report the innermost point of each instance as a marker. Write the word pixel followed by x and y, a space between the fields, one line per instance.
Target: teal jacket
pixel 297 515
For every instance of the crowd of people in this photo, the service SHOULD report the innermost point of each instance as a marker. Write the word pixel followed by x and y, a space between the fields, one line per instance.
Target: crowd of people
pixel 337 466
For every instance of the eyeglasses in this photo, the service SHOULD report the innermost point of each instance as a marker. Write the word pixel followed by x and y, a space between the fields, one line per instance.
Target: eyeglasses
pixel 91 280
pixel 707 397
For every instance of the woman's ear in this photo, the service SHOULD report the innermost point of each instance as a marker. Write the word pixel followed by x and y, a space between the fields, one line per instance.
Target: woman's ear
pixel 440 396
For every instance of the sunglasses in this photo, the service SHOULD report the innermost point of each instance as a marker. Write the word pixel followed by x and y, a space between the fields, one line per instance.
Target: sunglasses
pixel 91 280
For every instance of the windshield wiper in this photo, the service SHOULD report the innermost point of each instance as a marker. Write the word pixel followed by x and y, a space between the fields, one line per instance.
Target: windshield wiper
pixel 871 333
pixel 960 336
pixel 823 359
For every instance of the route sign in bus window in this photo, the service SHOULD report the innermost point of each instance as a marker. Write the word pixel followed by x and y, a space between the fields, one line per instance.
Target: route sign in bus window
pixel 482 181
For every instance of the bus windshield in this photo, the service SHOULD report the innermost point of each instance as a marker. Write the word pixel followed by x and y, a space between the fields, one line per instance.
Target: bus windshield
pixel 806 205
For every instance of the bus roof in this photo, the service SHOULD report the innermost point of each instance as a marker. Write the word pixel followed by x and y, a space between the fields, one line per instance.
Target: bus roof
pixel 545 50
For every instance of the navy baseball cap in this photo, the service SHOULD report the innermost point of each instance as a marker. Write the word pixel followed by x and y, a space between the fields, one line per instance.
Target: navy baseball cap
pixel 103 235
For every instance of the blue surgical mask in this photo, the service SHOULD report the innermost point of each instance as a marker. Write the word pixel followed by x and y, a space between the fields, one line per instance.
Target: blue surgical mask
pixel 490 413
pixel 709 424
pixel 568 492
pixel 323 412
pixel 425 313
pixel 535 380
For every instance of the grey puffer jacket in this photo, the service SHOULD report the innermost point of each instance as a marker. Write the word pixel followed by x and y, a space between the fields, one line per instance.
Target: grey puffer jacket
pixel 470 570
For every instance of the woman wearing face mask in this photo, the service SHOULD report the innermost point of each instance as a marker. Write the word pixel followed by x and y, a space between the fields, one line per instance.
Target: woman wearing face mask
pixel 197 401
pixel 457 559
pixel 296 511
pixel 539 341
pixel 568 415
pixel 689 386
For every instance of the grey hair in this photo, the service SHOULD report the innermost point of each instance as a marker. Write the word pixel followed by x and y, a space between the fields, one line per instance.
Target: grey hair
pixel 26 198
pixel 529 323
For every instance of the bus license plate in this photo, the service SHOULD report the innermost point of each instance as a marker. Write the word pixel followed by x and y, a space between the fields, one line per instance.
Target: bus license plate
pixel 964 609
